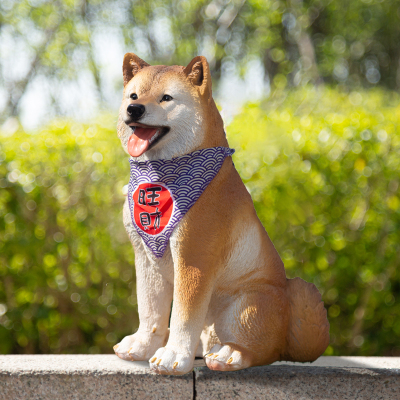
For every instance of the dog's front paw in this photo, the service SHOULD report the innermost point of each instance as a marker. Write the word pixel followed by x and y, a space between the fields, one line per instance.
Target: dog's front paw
pixel 169 362
pixel 139 347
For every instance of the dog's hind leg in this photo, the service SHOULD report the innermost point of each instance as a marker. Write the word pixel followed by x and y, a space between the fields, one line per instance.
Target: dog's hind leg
pixel 208 339
pixel 252 331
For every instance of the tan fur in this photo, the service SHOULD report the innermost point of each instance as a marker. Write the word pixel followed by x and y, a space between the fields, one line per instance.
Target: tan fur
pixel 228 281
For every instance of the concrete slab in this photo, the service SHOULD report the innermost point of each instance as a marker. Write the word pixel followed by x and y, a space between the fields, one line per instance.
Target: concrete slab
pixel 107 377
pixel 367 378
pixel 350 362
pixel 86 377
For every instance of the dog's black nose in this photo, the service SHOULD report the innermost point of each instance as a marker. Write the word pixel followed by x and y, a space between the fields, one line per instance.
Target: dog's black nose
pixel 135 111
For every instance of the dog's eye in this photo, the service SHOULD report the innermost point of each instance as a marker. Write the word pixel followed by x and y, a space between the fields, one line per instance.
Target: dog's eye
pixel 166 97
pixel 133 96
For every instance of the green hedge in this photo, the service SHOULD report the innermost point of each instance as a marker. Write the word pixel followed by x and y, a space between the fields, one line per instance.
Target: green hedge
pixel 323 170
pixel 66 265
pixel 322 167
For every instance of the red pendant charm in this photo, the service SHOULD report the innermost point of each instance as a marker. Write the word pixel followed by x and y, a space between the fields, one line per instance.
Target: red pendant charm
pixel 153 206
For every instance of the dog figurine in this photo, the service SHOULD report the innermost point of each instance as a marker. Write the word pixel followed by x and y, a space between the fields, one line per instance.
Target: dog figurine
pixel 231 301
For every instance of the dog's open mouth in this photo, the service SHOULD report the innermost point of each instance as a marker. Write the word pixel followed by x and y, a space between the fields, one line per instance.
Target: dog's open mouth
pixel 144 137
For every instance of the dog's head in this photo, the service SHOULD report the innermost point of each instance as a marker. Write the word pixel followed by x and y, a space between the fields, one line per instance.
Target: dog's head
pixel 167 111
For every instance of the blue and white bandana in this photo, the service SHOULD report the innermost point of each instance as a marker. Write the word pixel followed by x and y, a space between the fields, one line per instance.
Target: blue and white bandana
pixel 161 192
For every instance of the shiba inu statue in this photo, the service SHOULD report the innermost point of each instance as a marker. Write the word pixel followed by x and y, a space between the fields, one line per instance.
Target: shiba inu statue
pixel 198 240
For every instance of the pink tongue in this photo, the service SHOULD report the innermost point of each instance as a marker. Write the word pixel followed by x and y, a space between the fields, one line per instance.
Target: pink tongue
pixel 138 142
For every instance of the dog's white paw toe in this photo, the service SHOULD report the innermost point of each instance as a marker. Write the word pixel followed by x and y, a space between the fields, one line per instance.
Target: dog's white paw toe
pixel 137 347
pixel 130 348
pixel 225 358
pixel 168 362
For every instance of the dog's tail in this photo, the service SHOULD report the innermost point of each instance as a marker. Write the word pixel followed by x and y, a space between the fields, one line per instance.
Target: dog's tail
pixel 308 329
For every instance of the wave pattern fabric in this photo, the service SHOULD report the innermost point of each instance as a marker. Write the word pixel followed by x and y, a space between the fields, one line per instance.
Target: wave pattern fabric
pixel 161 192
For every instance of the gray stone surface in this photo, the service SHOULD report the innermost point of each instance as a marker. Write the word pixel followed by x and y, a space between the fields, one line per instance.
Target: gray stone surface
pixel 107 377
pixel 86 377
pixel 361 378
pixel 358 362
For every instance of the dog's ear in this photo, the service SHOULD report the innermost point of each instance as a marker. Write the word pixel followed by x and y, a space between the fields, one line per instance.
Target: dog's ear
pixel 131 66
pixel 198 73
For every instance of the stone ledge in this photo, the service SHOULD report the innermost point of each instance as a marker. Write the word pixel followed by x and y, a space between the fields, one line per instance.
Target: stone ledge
pixel 107 377
pixel 369 378
pixel 86 377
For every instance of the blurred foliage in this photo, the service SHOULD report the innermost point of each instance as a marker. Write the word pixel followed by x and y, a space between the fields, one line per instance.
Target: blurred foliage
pixel 323 170
pixel 58 45
pixel 66 266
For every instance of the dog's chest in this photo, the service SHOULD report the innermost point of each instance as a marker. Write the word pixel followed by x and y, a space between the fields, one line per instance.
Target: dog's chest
pixel 164 264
